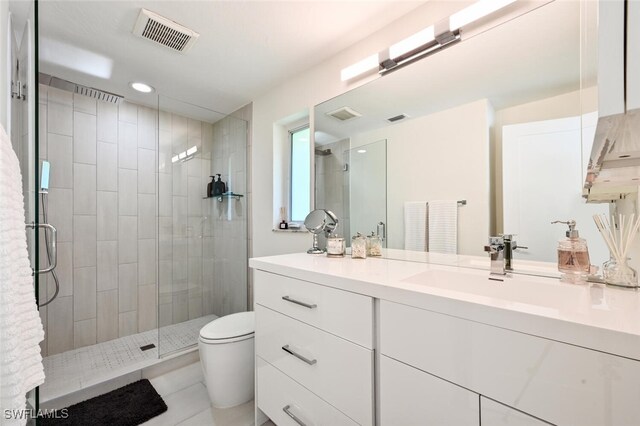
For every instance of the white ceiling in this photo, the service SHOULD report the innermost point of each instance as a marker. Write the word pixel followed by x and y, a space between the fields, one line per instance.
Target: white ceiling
pixel 245 47
pixel 531 57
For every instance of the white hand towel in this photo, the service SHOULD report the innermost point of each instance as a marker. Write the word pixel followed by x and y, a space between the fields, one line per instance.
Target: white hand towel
pixel 415 225
pixel 443 226
pixel 20 327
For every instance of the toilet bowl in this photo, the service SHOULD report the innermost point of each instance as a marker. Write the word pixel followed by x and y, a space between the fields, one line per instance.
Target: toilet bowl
pixel 226 347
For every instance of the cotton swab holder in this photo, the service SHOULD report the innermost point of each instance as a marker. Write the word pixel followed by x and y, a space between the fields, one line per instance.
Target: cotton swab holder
pixel 619 240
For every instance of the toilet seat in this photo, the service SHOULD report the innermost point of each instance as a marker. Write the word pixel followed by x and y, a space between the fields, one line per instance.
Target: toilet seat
pixel 228 329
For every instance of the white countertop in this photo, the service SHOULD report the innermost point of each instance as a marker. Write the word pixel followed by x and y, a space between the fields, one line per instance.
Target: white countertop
pixel 588 315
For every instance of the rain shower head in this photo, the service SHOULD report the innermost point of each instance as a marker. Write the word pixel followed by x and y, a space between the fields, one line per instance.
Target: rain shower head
pixel 323 152
pixel 62 84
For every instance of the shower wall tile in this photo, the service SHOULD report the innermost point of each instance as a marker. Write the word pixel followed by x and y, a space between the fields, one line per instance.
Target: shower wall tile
pixel 84 138
pixel 147 313
pixel 107 321
pixel 179 179
pixel 84 104
pixel 42 130
pixel 146 216
pixel 60 112
pixel 180 306
pixel 64 271
pixel 178 133
pixel 128 287
pixel 84 241
pixel 128 112
pixel 128 323
pixel 194 129
pixel 165 195
pixel 107 166
pixel 127 239
pixel 107 215
pixel 195 194
pixel 84 333
pixel 165 314
pixel 194 167
pixel 84 293
pixel 127 146
pixel 60 212
pixel 60 150
pixel 107 265
pixel 84 189
pixel 60 325
pixel 43 317
pixel 165 279
pixel 147 127
pixel 107 122
pixel 195 307
pixel 127 192
pixel 146 262
pixel 165 239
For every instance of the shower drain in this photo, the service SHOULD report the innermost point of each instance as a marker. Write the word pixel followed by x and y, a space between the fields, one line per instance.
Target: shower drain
pixel 147 347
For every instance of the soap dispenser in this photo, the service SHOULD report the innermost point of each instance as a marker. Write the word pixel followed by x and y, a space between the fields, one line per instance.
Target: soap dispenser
pixel 573 255
pixel 210 187
pixel 219 187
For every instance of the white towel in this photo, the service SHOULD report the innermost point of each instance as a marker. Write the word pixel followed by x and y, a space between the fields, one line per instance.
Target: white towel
pixel 415 225
pixel 20 327
pixel 443 226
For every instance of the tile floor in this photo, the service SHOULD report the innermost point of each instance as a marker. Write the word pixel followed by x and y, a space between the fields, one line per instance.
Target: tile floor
pixel 80 368
pixel 185 394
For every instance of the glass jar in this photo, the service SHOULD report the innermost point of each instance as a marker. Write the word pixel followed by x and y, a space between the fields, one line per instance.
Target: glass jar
pixel 619 274
pixel 374 245
pixel 358 247
pixel 335 246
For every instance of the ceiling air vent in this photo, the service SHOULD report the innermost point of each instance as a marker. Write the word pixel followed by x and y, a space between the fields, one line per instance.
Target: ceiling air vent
pixel 344 114
pixel 397 118
pixel 164 31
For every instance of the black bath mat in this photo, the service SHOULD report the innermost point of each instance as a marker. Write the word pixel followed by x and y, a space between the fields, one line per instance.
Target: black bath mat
pixel 129 405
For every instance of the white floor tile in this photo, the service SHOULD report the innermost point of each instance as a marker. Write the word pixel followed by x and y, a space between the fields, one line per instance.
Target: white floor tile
pixel 242 415
pixel 179 379
pixel 201 419
pixel 182 405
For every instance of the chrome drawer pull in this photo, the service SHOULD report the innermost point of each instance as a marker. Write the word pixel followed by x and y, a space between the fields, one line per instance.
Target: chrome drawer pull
pixel 297 355
pixel 295 418
pixel 297 302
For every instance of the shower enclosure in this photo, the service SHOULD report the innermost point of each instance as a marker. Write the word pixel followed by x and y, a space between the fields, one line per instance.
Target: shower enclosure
pixel 144 257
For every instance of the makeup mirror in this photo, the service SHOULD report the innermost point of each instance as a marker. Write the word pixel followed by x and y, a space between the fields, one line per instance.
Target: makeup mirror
pixel 319 222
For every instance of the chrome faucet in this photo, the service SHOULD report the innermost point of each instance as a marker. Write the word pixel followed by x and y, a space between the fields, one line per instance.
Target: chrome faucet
pixel 496 253
pixel 501 251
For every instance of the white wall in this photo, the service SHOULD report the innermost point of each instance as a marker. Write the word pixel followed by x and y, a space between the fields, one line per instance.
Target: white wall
pixel 4 63
pixel 441 156
pixel 318 84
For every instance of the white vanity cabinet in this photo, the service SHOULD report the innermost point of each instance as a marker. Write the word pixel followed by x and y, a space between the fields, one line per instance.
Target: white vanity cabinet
pixel 314 352
pixel 411 397
pixel 559 383
pixel 495 414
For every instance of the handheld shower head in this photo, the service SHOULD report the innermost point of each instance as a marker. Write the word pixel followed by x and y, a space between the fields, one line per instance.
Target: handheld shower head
pixel 44 177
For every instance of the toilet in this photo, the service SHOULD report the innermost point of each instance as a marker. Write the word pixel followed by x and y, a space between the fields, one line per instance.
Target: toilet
pixel 226 347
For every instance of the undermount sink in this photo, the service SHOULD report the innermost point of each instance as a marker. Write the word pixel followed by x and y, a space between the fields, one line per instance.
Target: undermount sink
pixel 522 289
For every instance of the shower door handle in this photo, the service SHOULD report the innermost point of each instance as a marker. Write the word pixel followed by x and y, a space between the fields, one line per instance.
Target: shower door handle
pixel 53 247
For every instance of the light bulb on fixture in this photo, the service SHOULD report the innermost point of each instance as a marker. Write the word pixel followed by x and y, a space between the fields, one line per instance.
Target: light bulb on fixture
pixel 367 64
pixel 413 42
pixel 477 10
pixel 141 87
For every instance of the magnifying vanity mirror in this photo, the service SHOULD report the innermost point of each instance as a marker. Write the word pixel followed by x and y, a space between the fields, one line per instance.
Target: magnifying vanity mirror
pixel 504 119
pixel 319 222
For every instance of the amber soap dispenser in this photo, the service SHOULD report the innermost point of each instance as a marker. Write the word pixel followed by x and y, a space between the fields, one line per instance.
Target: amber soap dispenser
pixel 573 255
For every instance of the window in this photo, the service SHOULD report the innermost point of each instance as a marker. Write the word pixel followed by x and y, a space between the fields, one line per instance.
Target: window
pixel 300 196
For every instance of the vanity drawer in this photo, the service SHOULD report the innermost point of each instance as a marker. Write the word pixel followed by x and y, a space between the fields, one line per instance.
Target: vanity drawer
pixel 342 313
pixel 556 382
pixel 411 397
pixel 277 392
pixel 338 371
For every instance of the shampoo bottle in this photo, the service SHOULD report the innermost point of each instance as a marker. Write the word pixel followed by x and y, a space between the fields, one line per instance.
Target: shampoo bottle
pixel 573 255
pixel 219 187
pixel 210 186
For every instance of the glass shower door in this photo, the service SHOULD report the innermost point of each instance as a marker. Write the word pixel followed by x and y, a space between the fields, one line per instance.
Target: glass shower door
pixel 202 239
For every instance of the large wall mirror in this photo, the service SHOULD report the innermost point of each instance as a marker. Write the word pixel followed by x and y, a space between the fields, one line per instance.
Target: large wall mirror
pixel 499 125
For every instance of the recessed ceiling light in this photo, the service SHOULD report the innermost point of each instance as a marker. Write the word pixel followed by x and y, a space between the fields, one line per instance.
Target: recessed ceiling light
pixel 362 151
pixel 141 87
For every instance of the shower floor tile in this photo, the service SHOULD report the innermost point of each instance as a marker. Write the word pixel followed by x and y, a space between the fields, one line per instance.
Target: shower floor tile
pixel 83 367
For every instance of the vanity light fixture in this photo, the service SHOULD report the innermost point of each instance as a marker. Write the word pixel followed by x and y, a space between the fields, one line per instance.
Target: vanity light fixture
pixel 141 87
pixel 369 63
pixel 427 41
pixel 476 11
